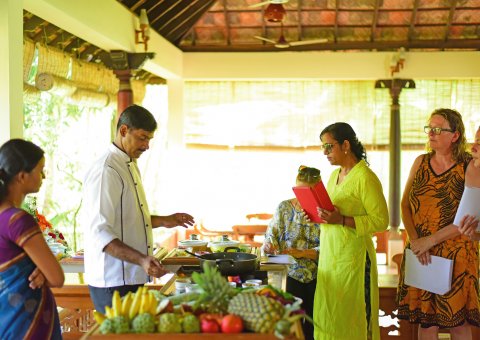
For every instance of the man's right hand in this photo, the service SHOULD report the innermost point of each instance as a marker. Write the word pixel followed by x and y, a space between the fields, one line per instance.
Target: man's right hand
pixel 153 267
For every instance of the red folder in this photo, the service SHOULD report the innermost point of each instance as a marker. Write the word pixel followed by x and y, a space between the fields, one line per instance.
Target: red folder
pixel 312 197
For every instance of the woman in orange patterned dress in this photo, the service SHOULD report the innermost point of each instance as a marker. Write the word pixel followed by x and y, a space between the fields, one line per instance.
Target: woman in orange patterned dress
pixel 430 201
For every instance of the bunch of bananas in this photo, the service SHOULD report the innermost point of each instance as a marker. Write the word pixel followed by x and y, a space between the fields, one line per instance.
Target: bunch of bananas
pixel 133 304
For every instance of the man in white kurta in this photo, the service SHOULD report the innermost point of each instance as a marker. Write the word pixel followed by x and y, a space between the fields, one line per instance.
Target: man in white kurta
pixel 117 221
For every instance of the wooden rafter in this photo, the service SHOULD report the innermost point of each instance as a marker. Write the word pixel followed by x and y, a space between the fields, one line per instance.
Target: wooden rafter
pixel 299 23
pixel 165 12
pixel 411 27
pixel 155 5
pixel 375 19
pixel 170 23
pixel 471 44
pixel 183 27
pixel 450 18
pixel 137 5
pixel 227 22
pixel 335 28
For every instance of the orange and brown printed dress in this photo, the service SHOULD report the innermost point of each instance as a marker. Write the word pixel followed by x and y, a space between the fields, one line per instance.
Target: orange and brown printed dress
pixel 434 200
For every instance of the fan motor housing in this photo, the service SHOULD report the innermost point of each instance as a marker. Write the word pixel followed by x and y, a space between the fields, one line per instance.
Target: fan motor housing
pixel 274 13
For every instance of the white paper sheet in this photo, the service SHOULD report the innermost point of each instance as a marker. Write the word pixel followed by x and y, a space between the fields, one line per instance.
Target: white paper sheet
pixel 469 205
pixel 435 277
pixel 279 259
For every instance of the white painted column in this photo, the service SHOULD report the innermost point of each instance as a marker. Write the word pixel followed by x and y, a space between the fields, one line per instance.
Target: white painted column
pixel 11 69
pixel 176 115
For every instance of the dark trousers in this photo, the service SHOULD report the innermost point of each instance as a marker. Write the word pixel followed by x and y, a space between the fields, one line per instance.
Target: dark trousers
pixel 306 292
pixel 102 297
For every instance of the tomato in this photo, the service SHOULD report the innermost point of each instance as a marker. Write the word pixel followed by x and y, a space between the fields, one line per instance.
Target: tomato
pixel 232 324
pixel 209 326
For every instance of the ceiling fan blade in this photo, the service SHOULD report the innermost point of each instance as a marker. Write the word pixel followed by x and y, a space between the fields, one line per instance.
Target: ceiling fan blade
pixel 260 4
pixel 308 42
pixel 265 39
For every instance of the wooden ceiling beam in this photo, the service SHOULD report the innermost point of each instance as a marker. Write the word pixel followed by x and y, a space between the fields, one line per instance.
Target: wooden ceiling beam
pixel 375 20
pixel 227 22
pixel 180 28
pixel 170 23
pixel 299 23
pixel 335 28
pixel 473 44
pixel 413 18
pixel 293 26
pixel 155 5
pixel 165 13
pixel 137 5
pixel 450 18
pixel 316 9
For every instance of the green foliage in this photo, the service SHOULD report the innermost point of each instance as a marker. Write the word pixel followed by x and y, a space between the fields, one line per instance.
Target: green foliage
pixel 50 121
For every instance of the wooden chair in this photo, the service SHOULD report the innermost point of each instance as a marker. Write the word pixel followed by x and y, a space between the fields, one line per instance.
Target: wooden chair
pixel 199 229
pixel 247 232
pixel 259 216
pixel 397 259
pixel 76 314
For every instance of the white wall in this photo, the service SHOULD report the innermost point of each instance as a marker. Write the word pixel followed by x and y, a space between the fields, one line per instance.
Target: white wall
pixel 328 65
pixel 11 70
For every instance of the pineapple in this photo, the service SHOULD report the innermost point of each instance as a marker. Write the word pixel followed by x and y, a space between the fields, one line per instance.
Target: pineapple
pixel 259 313
pixel 216 292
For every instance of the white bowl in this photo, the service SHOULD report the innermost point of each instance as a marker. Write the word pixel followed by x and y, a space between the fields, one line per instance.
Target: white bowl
pixel 256 281
pixel 192 243
pixel 219 246
pixel 250 285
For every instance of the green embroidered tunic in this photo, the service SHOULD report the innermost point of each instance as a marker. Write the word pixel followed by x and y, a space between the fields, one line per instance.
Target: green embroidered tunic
pixel 340 308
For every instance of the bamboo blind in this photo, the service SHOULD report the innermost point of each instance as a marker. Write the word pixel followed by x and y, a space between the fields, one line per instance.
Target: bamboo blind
pixel 52 61
pixel 28 53
pixel 293 113
pixel 87 75
pixel 138 89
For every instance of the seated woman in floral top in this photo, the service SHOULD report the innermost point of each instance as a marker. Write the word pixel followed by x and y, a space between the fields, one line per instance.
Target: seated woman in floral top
pixel 291 232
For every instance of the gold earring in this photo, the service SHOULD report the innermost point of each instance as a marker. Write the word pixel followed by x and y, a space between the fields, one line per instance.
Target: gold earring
pixel 345 152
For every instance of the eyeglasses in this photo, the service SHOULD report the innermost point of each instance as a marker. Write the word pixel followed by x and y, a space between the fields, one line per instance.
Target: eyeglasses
pixel 328 146
pixel 435 130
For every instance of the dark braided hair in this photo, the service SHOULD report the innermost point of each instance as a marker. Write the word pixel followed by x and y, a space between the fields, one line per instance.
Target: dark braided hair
pixel 341 132
pixel 16 155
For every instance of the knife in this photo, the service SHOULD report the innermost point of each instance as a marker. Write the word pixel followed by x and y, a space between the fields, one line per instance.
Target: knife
pixel 171 267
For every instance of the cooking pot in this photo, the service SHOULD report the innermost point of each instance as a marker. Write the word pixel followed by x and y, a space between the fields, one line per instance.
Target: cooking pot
pixel 229 263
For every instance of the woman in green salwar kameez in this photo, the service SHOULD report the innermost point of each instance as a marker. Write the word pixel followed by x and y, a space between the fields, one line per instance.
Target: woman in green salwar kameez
pixel 346 297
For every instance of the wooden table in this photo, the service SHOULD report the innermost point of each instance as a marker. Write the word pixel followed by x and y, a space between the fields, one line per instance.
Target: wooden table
pixel 248 232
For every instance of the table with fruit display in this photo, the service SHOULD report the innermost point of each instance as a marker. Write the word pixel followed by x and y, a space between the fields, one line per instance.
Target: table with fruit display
pixel 213 308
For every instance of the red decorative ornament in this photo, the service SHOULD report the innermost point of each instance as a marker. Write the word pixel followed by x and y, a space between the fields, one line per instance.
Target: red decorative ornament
pixel 274 13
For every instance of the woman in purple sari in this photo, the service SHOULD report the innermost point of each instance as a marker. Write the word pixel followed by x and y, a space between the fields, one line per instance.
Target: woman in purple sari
pixel 27 266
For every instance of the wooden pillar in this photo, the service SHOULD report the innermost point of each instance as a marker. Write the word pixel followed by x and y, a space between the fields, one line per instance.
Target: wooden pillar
pixel 395 87
pixel 123 65
pixel 125 93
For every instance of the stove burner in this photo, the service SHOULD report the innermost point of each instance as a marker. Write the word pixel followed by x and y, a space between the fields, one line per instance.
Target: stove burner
pixel 187 270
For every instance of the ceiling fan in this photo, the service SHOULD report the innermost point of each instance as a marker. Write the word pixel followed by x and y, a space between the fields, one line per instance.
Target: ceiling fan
pixel 275 2
pixel 283 43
